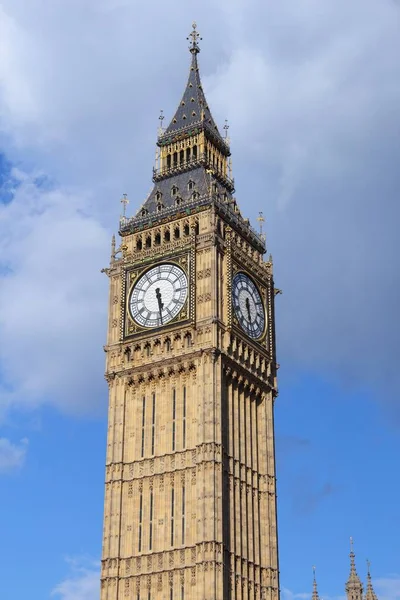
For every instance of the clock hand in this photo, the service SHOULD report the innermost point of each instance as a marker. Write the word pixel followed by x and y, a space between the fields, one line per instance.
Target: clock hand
pixel 248 308
pixel 160 304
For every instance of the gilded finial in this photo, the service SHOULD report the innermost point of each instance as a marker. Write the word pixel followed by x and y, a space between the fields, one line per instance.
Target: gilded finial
pixel 261 220
pixel 161 119
pixel 193 37
pixel 124 202
pixel 226 127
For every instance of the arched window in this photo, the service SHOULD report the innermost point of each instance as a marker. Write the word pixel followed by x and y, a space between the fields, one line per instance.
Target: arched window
pixel 139 244
pixel 186 229
pixel 157 239
pixel 167 235
pixel 177 233
pixel 148 242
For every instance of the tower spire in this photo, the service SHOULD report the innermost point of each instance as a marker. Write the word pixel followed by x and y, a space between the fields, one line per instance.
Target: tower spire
pixel 370 593
pixel 315 595
pixel 354 587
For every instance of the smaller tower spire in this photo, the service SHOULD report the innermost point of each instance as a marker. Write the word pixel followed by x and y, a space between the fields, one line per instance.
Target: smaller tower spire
pixel 370 593
pixel 193 37
pixel 315 595
pixel 354 587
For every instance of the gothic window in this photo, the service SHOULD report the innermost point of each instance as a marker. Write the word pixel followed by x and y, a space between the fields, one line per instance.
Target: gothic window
pixel 157 239
pixel 174 191
pixel 194 152
pixel 183 514
pixel 144 212
pixel 190 185
pixel 186 230
pixel 139 244
pixel 127 353
pixel 181 157
pixel 195 195
pixel 167 235
pixel 173 418
pixel 143 424
pixel 160 206
pixel 197 229
pixel 151 522
pixel 153 423
pixel 184 418
pixel 172 515
pixel 140 520
pixel 177 233
pixel 178 201
pixel 175 159
pixel 168 161
pixel 158 196
pixel 168 345
pixel 187 154
pixel 148 242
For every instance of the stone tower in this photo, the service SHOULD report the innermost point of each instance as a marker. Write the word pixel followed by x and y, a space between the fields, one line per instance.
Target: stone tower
pixel 190 495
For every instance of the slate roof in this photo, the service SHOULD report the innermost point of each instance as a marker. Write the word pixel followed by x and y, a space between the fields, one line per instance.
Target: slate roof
pixel 176 188
pixel 192 105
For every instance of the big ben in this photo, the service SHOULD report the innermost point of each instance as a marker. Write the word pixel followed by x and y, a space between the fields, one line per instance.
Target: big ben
pixel 190 493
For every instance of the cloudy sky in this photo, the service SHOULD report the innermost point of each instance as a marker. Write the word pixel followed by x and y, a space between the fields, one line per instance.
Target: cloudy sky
pixel 311 90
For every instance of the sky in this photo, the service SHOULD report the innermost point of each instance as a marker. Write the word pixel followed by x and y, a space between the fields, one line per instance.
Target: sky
pixel 311 91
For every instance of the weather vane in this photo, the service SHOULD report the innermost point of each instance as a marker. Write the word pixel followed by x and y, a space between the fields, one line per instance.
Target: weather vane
pixel 193 37
pixel 124 202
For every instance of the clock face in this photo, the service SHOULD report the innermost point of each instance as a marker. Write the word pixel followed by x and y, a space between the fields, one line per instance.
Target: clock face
pixel 248 305
pixel 158 295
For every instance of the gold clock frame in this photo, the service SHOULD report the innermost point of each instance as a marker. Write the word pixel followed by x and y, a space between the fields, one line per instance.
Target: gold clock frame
pixel 132 274
pixel 263 291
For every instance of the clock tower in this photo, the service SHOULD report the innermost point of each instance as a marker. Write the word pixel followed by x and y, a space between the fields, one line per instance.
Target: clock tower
pixel 190 493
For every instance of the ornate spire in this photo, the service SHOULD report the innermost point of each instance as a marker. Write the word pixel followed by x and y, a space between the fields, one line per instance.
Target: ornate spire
pixel 315 595
pixel 354 587
pixel 193 108
pixel 370 593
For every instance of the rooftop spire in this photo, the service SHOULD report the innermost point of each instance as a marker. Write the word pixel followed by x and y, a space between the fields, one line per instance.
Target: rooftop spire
pixel 193 110
pixel 370 593
pixel 193 37
pixel 354 586
pixel 315 595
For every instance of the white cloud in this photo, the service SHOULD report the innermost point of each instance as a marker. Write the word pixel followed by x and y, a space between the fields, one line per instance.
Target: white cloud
pixel 82 583
pixel 52 297
pixel 313 98
pixel 387 588
pixel 12 456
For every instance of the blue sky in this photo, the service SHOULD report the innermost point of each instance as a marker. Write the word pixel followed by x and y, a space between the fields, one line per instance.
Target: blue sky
pixel 312 95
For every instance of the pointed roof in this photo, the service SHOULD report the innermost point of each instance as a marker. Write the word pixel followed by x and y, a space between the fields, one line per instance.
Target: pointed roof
pixel 193 109
pixel 370 593
pixel 354 586
pixel 315 595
